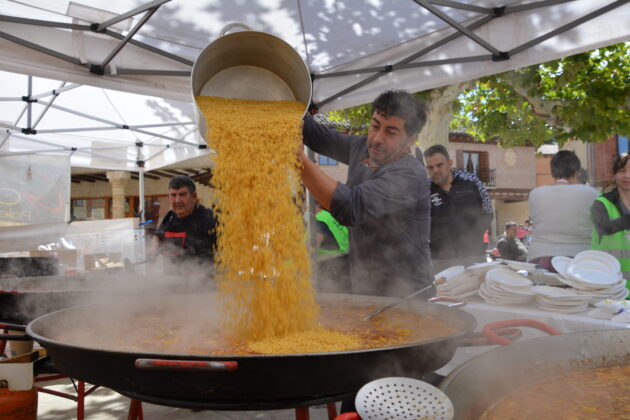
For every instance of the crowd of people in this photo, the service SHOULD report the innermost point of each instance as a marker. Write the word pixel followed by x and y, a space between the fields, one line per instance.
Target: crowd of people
pixel 399 218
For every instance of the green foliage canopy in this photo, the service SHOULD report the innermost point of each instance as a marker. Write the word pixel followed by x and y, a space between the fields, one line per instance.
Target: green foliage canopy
pixel 585 96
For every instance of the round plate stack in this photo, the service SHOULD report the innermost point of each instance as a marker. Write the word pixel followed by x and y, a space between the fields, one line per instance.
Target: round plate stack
pixel 519 265
pixel 505 287
pixel 556 299
pixel 592 273
pixel 463 283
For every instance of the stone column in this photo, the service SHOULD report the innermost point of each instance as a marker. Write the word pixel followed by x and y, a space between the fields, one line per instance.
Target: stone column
pixel 119 180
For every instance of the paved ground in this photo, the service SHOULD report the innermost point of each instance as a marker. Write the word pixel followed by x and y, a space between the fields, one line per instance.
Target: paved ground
pixel 105 404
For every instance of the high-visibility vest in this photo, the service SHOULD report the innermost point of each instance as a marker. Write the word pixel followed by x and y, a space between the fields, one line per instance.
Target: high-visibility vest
pixel 616 244
pixel 339 232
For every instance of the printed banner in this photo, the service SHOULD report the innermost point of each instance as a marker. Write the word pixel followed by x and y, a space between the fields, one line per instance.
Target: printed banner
pixel 34 189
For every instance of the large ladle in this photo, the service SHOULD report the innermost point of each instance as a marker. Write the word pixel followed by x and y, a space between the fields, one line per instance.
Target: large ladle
pixel 435 283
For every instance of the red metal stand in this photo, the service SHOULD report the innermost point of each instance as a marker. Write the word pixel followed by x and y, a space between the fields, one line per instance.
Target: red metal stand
pixel 301 413
pixel 3 343
pixel 135 410
pixel 79 397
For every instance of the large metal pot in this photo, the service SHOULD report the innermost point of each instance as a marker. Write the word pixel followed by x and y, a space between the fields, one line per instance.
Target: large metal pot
pixel 249 65
pixel 26 298
pixel 474 386
pixel 240 377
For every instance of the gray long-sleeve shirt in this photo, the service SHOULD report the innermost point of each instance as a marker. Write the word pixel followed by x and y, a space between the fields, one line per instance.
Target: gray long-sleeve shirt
pixel 387 211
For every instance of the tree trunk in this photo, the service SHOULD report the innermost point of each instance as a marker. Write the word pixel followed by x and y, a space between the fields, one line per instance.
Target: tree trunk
pixel 440 111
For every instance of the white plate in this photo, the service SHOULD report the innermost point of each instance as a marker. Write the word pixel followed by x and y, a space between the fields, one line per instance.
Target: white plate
pixel 563 310
pixel 450 272
pixel 556 292
pixel 500 299
pixel 519 265
pixel 483 266
pixel 589 275
pixel 595 265
pixel 560 303
pixel 508 279
pixel 599 255
pixel 560 264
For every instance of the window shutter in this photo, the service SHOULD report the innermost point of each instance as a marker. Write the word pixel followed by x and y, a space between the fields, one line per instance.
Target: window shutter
pixel 484 167
pixel 459 159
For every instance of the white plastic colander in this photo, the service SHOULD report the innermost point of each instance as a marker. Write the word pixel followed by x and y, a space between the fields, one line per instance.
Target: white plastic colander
pixel 402 399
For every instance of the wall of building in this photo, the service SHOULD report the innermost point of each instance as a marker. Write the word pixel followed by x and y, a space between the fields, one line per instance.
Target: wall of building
pixel 509 212
pixel 512 172
pixel 605 155
pixel 543 170
pixel 152 187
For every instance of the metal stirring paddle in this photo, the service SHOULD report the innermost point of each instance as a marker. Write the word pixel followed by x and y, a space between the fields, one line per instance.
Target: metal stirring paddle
pixel 391 305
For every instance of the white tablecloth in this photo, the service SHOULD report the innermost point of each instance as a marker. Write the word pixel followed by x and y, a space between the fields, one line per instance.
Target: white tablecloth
pixel 485 313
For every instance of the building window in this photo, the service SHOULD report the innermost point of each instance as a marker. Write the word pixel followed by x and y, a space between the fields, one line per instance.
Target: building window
pixel 471 162
pixel 475 162
pixel 89 209
pixel 325 160
pixel 622 144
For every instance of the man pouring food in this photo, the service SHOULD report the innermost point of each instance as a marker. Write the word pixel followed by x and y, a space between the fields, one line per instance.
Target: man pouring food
pixel 385 201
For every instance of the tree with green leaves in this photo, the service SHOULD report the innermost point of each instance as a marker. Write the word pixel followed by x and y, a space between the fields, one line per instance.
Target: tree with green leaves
pixel 585 97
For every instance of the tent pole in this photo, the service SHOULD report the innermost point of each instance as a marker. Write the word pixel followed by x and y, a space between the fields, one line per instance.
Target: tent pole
pixel 143 8
pixel 48 106
pixel 29 111
pixel 141 195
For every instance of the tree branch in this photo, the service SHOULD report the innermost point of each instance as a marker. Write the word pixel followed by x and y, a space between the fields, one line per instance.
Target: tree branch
pixel 542 108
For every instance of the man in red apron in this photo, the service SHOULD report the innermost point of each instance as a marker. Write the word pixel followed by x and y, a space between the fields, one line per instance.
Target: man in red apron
pixel 186 237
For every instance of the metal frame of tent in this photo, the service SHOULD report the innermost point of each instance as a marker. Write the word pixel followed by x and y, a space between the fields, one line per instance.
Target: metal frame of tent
pixel 104 67
pixel 433 6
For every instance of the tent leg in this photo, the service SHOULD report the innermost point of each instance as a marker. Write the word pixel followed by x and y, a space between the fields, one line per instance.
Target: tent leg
pixel 141 195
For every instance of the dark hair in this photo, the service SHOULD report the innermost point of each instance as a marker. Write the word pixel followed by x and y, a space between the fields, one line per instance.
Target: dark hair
pixel 564 164
pixel 620 162
pixel 435 149
pixel 510 224
pixel 181 181
pixel 401 104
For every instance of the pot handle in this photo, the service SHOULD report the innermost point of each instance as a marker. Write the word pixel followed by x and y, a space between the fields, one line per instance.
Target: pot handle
pixel 348 416
pixel 475 339
pixel 229 26
pixel 457 303
pixel 14 337
pixel 489 330
pixel 13 327
pixel 191 365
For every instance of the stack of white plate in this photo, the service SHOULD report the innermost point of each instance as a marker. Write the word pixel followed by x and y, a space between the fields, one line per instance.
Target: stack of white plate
pixel 460 283
pixel 557 299
pixel 505 287
pixel 593 273
pixel 481 269
pixel 519 265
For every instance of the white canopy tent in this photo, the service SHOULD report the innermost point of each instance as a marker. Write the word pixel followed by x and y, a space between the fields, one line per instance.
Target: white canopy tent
pixel 98 128
pixel 354 49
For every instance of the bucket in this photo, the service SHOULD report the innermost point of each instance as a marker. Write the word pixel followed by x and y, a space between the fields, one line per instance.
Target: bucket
pixel 18 348
pixel 249 65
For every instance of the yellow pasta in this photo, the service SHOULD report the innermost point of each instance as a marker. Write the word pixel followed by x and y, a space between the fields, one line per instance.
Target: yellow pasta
pixel 262 258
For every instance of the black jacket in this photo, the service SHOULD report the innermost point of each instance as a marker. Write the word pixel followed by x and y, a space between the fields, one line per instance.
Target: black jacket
pixel 200 229
pixel 511 249
pixel 459 217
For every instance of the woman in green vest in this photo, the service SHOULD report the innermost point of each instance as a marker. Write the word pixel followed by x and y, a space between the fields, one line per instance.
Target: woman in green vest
pixel 611 217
